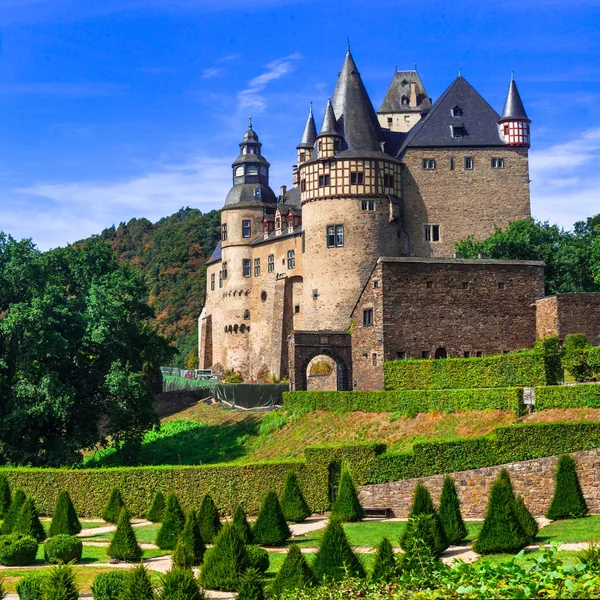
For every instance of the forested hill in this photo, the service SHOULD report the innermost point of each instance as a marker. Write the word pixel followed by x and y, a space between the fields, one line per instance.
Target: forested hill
pixel 171 254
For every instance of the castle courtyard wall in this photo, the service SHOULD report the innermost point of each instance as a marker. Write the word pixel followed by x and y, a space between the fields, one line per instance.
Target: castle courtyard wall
pixel 564 314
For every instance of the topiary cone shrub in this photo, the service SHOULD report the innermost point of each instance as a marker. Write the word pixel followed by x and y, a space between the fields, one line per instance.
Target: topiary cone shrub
pixel 63 548
pixel 4 496
pixel 347 508
pixel 225 562
pixel 192 539
pixel 251 586
pixel 449 511
pixel 568 501
pixel 335 558
pixel 173 523
pixel 124 545
pixel 156 512
pixel 526 519
pixel 293 504
pixel 384 565
pixel 420 560
pixel 28 522
pixel 64 519
pixel 60 584
pixel 138 586
pixel 13 512
pixel 271 528
pixel 294 573
pixel 208 520
pixel 501 531
pixel 240 522
pixel 180 584
pixel 182 559
pixel 112 510
pixel 423 505
pixel 108 586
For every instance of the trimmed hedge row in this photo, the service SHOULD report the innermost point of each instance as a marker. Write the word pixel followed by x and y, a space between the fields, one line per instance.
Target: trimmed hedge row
pixel 409 401
pixel 567 396
pixel 512 443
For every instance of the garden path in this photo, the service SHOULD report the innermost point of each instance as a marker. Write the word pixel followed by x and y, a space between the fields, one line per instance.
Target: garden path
pixel 110 528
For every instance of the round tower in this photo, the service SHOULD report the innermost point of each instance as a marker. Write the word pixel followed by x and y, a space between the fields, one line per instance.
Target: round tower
pixel 514 123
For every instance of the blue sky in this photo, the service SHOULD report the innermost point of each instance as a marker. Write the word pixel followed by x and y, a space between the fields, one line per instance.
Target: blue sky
pixel 113 109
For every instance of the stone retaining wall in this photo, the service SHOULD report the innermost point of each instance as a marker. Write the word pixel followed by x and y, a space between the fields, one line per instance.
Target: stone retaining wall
pixel 532 479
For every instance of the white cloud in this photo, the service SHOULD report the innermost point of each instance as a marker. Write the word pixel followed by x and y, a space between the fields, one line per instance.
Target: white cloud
pixel 211 72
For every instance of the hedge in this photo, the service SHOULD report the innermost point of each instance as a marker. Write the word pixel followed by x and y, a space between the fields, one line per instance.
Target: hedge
pixel 567 396
pixel 409 401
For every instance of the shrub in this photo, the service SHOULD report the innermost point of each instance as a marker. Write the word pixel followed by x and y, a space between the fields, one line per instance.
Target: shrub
pixel 156 512
pixel 384 565
pixel 172 525
pixel 271 528
pixel 240 522
pixel 63 548
pixel 108 586
pixel 17 550
pixel 138 585
pixel 28 522
pixel 192 539
pixel 335 557
pixel 225 562
pixel 232 377
pixel 112 510
pixel 208 519
pixel 293 504
pixel 568 501
pixel 64 519
pixel 124 545
pixel 567 396
pixel 575 356
pixel 251 586
pixel 346 507
pixel 60 584
pixel 182 558
pixel 4 495
pixel 501 531
pixel 293 574
pixel 29 587
pixel 180 584
pixel 420 561
pixel 13 512
pixel 590 557
pixel 258 558
pixel 526 519
pixel 594 361
pixel 449 511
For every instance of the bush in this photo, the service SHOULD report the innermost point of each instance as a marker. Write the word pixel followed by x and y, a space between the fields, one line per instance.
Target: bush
pixel 13 512
pixel 4 495
pixel 384 565
pixel 182 558
pixel 172 525
pixel 225 562
pixel 64 519
pixel 501 531
pixel 568 501
pixel 63 548
pixel 293 504
pixel 208 519
pixel 251 586
pixel 17 550
pixel 28 522
pixel 156 512
pixel 346 507
pixel 271 528
pixel 575 356
pixel 112 510
pixel 526 519
pixel 192 539
pixel 138 585
pixel 567 396
pixel 240 522
pixel 108 586
pixel 29 587
pixel 294 573
pixel 594 361
pixel 60 584
pixel 449 511
pixel 232 377
pixel 124 545
pixel 258 558
pixel 335 558
pixel 180 584
pixel 420 561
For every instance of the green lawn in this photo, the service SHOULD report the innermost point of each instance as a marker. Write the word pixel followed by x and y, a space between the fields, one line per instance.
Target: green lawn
pixel 568 557
pixel 571 530
pixel 145 534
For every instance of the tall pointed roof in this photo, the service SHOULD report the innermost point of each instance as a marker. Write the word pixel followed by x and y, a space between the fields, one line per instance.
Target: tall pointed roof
pixel 399 87
pixel 329 125
pixel 356 118
pixel 310 132
pixel 513 107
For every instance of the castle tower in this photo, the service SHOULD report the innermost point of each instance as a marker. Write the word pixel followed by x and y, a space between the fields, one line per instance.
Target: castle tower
pixel 309 136
pixel 349 192
pixel 514 122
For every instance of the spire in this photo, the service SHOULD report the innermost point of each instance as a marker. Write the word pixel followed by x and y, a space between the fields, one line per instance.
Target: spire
pixel 513 107
pixel 329 126
pixel 310 132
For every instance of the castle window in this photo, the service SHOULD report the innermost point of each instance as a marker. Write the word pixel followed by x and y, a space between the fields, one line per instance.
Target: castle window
pixel 335 236
pixel 469 163
pixel 224 232
pixel 466 354
pixel 376 284
pixel 224 270
pixel 246 267
pixel 388 181
pixel 263 296
pixel 266 228
pixel 420 99
pixel 457 111
pixel 506 129
pixel 303 242
pixel 497 163
pixel 324 180
pixel 290 224
pixel 479 353
pixel 239 171
pixel 367 317
pixel 291 259
pixel 303 185
pixel 429 164
pixel 390 121
pixel 297 309
pixel 302 156
pixel 220 279
pixel 429 285
pixel 278 223
pixel 425 354
pixel 401 355
pixel 458 132
pixel 357 178
pixel 367 205
pixel 212 282
pixel 432 233
pixel 257 267
pixel 465 285
pixel 374 359
pixel 251 170
pixel 404 101
pixel 452 164
pixel 257 192
pixel 501 285
pixel 271 263
pixel 246 228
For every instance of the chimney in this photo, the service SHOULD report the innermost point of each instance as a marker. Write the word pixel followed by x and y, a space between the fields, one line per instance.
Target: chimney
pixel 283 190
pixel 413 94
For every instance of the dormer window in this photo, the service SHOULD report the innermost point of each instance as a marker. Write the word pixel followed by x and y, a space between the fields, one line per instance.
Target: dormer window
pixel 302 156
pixel 252 170
pixel 266 228
pixel 420 99
pixel 458 131
pixel 278 223
pixel 404 82
pixel 291 224
pixel 239 171
pixel 457 111
pixel 257 192
pixel 404 101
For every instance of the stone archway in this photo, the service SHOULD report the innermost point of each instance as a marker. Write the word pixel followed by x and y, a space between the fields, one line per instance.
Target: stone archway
pixel 441 353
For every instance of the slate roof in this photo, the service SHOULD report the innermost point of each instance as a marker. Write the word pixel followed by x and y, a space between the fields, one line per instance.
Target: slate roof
pixel 245 195
pixel 309 135
pixel 329 125
pixel 478 118
pixel 513 107
pixel 292 196
pixel 273 237
pixel 400 86
pixel 216 255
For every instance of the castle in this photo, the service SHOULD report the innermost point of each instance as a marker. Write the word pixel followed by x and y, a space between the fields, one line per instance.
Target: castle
pixel 355 261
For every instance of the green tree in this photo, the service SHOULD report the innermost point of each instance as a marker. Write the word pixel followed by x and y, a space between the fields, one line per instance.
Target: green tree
pixel 225 562
pixel 28 522
pixel 420 564
pixel 138 586
pixel 13 512
pixel 5 496
pixel 60 584
pixel 271 528
pixel 172 525
pixel 449 511
pixel 526 519
pixel 346 507
pixel 240 522
pixel 251 586
pixel 124 545
pixel 295 573
pixel 293 504
pixel 384 565
pixel 182 557
pixel 192 539
pixel 64 519
pixel 180 584
pixel 112 510
pixel 208 519
pixel 568 501
pixel 156 512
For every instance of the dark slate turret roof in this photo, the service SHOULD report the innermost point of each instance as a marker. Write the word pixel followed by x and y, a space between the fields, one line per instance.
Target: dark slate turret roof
pixel 400 86
pixel 216 255
pixel 513 107
pixel 478 120
pixel 329 124
pixel 310 132
pixel 245 195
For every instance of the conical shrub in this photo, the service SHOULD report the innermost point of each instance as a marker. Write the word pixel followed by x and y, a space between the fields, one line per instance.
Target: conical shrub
pixel 208 519
pixel 423 505
pixel 124 545
pixel 192 539
pixel 347 508
pixel 293 504
pixel 112 510
pixel 172 525
pixel 271 528
pixel 240 522
pixel 4 496
pixel 156 512
pixel 568 501
pixel 449 511
pixel 180 584
pixel 501 530
pixel 13 512
pixel 60 584
pixel 182 558
pixel 294 573
pixel 28 522
pixel 251 586
pixel 526 519
pixel 384 565
pixel 138 586
pixel 335 557
pixel 420 559
pixel 64 519
pixel 225 562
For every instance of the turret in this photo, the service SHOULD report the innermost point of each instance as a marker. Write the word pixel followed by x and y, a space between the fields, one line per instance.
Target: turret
pixel 514 123
pixel 329 140
pixel 307 143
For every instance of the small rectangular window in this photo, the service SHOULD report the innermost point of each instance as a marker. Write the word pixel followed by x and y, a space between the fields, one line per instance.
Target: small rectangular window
pixel 339 235
pixel 297 309
pixel 291 259
pixel 429 164
pixel 224 270
pixel 220 279
pixel 367 317
pixel 425 354
pixel 371 206
pixel 452 164
pixel 376 284
pixel 432 233
pixel 324 180
pixel 374 359
pixel 497 163
pixel 363 205
pixel 429 285
pixel 246 267
pixel 303 185
pixel 257 267
pixel 303 242
pixel 246 228
pixel 212 282
pixel 331 236
pixel 469 162
pixel 466 354
pixel 401 355
pixel 224 232
pixel 356 178
pixel 388 181
pixel 479 353
pixel 390 122
pixel 501 285
pixel 465 285
pixel 458 132
pixel 271 263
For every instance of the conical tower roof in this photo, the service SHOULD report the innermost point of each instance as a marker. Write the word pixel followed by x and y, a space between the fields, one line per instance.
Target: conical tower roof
pixel 356 118
pixel 310 132
pixel 329 125
pixel 513 107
